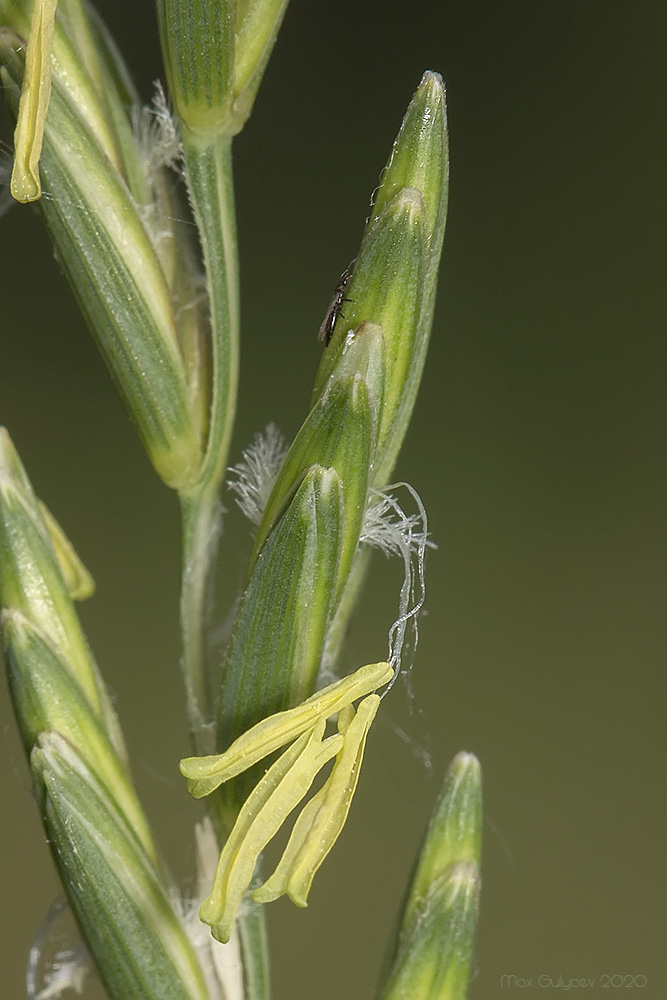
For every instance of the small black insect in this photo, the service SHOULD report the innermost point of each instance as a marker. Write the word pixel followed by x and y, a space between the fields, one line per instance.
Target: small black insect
pixel 335 306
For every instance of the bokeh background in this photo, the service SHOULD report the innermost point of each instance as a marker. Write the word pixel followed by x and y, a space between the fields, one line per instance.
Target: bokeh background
pixel 538 446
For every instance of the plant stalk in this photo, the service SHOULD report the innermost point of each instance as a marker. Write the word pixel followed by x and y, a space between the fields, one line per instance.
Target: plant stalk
pixel 208 168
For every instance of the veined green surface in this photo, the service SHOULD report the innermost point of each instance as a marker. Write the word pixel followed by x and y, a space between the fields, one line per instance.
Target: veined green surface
pixel 538 446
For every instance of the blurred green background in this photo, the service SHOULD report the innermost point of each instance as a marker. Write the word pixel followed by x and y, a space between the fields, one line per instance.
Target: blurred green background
pixel 538 446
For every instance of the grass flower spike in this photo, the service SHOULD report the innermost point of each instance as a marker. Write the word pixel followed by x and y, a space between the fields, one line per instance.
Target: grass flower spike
pixel 71 735
pixel 364 391
pixel 98 210
pixel 32 584
pixel 140 946
pixel 393 281
pixel 215 54
pixel 139 205
pixel 433 952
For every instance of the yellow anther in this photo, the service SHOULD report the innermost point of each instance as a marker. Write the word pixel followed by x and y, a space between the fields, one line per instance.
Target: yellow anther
pixel 34 103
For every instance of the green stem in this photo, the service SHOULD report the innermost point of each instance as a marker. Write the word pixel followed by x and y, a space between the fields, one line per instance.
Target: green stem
pixel 208 166
pixel 255 952
pixel 209 176
pixel 201 516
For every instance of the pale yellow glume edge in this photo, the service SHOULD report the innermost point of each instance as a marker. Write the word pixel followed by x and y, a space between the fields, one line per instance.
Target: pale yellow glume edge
pixel 25 185
pixel 283 786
